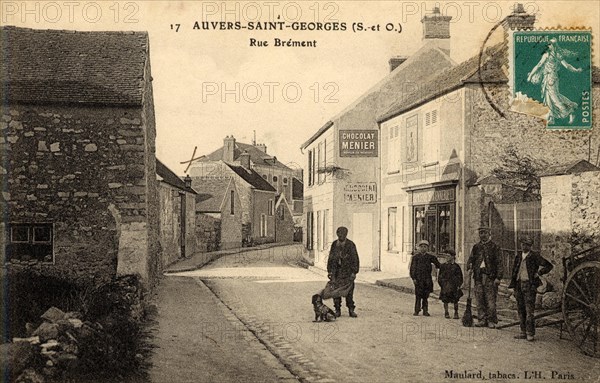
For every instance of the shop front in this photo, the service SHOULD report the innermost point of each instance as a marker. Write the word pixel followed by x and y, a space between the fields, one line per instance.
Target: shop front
pixel 434 217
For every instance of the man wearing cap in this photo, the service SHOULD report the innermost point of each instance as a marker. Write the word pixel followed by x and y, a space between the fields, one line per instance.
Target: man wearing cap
pixel 486 267
pixel 420 272
pixel 525 279
pixel 342 267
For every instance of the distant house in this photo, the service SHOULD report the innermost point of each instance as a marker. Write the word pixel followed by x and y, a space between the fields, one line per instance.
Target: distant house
pixel 218 214
pixel 257 196
pixel 177 201
pixel 79 189
pixel 272 170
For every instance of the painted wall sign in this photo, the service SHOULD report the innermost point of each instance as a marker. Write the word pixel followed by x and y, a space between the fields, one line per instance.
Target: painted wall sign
pixel 360 192
pixel 358 143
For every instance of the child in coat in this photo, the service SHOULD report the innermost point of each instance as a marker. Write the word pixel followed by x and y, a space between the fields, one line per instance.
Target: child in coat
pixel 450 279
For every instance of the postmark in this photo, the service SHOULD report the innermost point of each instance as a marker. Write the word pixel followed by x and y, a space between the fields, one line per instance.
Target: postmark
pixel 551 76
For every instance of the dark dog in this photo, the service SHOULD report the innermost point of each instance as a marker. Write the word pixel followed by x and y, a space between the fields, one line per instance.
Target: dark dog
pixel 322 311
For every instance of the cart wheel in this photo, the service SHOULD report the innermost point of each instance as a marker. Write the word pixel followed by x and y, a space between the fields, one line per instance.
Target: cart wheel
pixel 580 306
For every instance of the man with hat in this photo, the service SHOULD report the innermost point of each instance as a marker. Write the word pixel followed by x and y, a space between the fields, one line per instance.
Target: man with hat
pixel 342 267
pixel 486 268
pixel 525 279
pixel 420 272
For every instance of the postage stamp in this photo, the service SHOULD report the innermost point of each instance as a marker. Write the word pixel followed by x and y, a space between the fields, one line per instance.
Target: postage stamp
pixel 551 76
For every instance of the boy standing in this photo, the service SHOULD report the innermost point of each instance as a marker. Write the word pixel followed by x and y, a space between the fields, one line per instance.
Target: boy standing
pixel 420 272
pixel 450 280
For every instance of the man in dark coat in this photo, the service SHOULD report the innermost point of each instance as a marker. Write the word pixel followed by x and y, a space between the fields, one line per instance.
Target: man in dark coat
pixel 420 272
pixel 342 267
pixel 486 267
pixel 525 279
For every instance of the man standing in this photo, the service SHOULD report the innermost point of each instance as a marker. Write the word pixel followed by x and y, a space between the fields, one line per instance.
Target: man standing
pixel 420 273
pixel 486 267
pixel 342 267
pixel 525 280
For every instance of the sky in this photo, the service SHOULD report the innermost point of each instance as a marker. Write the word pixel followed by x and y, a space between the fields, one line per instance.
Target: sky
pixel 211 83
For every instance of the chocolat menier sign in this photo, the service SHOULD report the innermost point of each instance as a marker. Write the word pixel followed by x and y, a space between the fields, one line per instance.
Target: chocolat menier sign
pixel 358 143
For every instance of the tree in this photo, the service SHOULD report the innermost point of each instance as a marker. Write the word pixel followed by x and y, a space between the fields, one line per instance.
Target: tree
pixel 520 171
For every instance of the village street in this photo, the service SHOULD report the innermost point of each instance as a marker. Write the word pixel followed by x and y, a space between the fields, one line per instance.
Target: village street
pixel 203 337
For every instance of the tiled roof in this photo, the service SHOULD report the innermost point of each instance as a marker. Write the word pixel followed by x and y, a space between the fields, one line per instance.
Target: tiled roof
pixel 297 189
pixel 171 178
pixel 577 166
pixel 57 66
pixel 452 79
pixel 252 177
pixel 211 193
pixel 257 156
pixel 424 64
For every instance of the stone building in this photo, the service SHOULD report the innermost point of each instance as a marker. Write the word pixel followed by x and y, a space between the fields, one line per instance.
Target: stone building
pixel 440 147
pixel 341 185
pixel 177 201
pixel 269 167
pixel 257 196
pixel 78 176
pixel 218 214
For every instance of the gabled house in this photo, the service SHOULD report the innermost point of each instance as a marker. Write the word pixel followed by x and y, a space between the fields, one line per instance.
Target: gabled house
pixel 177 201
pixel 232 152
pixel 78 171
pixel 257 196
pixel 440 147
pixel 218 214
pixel 341 184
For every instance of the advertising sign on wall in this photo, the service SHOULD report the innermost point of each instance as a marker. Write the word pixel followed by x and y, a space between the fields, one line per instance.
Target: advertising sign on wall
pixel 360 192
pixel 358 143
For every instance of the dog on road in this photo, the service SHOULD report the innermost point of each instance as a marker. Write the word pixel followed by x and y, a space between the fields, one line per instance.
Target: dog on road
pixel 322 311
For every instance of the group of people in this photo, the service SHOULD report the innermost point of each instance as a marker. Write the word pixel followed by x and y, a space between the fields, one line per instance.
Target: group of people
pixel 484 266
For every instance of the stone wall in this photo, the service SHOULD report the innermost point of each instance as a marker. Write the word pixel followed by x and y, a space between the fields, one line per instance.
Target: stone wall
pixel 585 210
pixel 153 261
pixel 208 232
pixel 84 170
pixel 170 224
pixel 570 217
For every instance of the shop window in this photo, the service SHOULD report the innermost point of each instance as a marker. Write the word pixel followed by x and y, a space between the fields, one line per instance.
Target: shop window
pixel 435 223
pixel 27 242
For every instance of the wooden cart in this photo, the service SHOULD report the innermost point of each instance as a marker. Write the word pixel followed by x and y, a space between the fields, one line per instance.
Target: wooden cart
pixel 581 299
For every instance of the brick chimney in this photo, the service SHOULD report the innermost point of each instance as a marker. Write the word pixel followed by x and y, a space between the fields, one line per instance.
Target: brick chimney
pixel 261 147
pixel 436 30
pixel 519 19
pixel 228 149
pixel 245 159
pixel 396 61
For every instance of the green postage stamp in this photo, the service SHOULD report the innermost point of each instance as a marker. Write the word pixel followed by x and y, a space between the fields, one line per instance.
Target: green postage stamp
pixel 551 76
